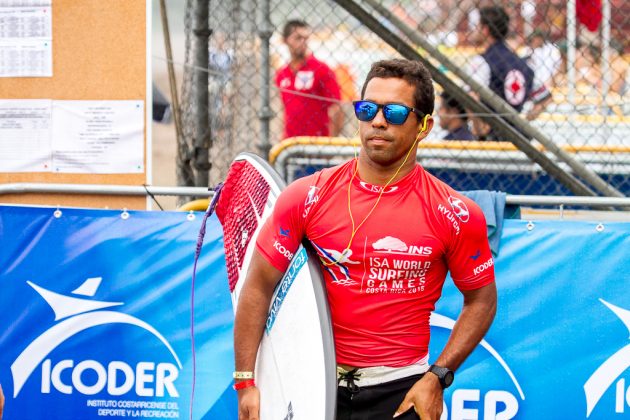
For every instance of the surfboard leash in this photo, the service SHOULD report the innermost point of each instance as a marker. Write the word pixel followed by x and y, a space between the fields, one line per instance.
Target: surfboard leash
pixel 202 233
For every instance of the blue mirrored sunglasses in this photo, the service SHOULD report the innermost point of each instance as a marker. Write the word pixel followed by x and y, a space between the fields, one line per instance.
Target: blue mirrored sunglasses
pixel 394 113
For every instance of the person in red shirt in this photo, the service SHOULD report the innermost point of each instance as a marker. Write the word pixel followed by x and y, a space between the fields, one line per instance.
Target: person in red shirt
pixel 387 232
pixel 308 87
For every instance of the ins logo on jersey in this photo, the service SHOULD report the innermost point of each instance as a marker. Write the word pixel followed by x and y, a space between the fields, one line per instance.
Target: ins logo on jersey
pixel 393 245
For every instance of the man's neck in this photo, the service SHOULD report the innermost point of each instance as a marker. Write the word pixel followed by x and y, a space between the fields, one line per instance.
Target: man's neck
pixel 490 41
pixel 297 62
pixel 375 174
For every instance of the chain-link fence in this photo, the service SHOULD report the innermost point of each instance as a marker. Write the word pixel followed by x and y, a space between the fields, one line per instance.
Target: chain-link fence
pixel 577 98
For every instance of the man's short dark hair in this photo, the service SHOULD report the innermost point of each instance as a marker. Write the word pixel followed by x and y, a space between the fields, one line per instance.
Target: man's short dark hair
pixel 497 21
pixel 292 25
pixel 414 73
pixel 453 103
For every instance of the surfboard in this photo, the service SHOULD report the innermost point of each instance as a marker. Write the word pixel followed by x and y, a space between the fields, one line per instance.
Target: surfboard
pixel 295 366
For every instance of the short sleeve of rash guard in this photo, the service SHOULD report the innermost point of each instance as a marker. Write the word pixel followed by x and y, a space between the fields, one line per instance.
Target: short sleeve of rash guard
pixel 469 258
pixel 283 230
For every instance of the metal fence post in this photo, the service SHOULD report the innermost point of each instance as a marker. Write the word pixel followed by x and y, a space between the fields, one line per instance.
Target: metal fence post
pixel 265 114
pixel 202 141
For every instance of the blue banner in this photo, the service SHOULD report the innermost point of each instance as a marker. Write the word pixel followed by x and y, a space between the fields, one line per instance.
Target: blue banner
pixel 97 316
pixel 558 348
pixel 97 308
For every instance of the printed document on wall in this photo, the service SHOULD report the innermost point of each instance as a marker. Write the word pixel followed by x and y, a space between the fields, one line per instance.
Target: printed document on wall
pixel 25 142
pixel 25 38
pixel 98 137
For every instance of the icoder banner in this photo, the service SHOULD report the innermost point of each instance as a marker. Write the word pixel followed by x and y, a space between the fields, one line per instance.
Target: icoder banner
pixel 96 320
pixel 558 348
pixel 96 316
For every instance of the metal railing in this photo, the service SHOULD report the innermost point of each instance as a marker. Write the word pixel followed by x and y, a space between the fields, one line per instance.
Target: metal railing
pixel 127 190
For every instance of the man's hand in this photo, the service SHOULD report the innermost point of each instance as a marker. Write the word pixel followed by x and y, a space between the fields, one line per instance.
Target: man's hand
pixel 426 397
pixel 249 404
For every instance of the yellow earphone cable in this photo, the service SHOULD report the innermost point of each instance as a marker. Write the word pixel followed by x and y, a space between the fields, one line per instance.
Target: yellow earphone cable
pixel 378 199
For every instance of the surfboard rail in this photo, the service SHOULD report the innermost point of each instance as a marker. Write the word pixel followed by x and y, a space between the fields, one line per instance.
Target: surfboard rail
pixel 298 334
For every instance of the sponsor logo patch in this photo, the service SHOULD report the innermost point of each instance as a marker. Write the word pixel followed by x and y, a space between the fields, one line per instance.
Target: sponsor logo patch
pixel 283 251
pixel 284 287
pixel 450 217
pixel 483 266
pixel 377 188
pixel 459 208
pixel 311 198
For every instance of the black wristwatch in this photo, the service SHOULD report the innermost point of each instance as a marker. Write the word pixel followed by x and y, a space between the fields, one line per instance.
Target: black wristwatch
pixel 445 375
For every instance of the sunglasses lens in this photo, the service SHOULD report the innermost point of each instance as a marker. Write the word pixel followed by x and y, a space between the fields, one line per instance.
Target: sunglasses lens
pixel 365 111
pixel 395 114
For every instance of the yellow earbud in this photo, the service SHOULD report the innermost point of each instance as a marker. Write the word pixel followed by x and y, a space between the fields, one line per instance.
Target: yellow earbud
pixel 423 127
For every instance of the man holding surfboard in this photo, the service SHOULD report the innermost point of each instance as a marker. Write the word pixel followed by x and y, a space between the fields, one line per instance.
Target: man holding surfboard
pixel 386 233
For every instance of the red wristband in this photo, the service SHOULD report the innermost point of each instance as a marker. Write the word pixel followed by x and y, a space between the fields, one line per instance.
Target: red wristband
pixel 244 384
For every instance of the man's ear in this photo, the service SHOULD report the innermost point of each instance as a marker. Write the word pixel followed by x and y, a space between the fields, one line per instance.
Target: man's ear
pixel 422 127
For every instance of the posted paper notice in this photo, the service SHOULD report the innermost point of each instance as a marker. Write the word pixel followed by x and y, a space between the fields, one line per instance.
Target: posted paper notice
pixel 25 38
pixel 99 137
pixel 25 135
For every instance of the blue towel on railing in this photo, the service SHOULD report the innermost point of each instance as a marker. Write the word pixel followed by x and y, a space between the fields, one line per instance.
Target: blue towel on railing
pixel 492 204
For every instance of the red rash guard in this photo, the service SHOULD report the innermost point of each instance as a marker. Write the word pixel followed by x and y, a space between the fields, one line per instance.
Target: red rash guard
pixel 307 115
pixel 382 291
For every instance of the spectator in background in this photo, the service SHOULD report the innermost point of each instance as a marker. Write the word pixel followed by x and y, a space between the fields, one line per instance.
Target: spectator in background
pixel 308 87
pixel 560 78
pixel 545 59
pixel 498 67
pixel 453 118
pixel 590 70
pixel 221 60
pixel 619 68
pixel 587 64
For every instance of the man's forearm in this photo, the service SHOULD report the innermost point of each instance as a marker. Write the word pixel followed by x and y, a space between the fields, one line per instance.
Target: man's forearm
pixel 538 108
pixel 474 321
pixel 249 324
pixel 251 312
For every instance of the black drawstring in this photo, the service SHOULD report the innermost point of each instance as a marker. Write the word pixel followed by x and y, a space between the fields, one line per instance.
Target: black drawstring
pixel 350 376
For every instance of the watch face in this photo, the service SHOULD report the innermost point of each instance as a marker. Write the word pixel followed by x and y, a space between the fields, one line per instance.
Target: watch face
pixel 448 379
